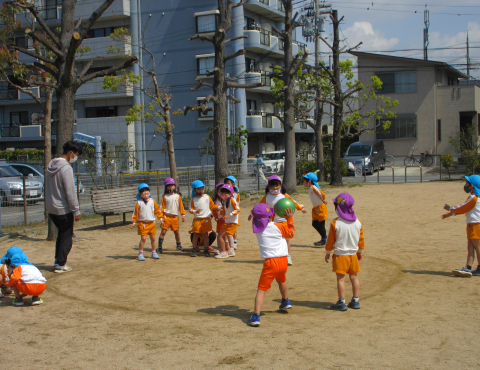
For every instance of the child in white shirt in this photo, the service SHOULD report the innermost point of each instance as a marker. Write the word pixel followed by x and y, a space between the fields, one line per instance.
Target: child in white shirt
pixel 171 205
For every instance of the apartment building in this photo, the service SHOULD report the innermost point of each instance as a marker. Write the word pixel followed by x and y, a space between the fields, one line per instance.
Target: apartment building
pixel 166 26
pixel 435 102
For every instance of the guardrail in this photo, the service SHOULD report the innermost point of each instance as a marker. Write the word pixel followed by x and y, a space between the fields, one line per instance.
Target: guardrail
pixel 414 165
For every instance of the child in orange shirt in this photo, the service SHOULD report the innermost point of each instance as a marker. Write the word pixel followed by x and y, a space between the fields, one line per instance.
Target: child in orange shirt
pixel 201 206
pixel 171 205
pixel 236 195
pixel 217 199
pixel 144 213
pixel 319 210
pixel 346 240
pixel 229 228
pixel 4 289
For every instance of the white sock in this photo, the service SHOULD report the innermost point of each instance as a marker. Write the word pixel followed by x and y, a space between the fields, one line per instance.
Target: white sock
pixel 342 300
pixel 356 299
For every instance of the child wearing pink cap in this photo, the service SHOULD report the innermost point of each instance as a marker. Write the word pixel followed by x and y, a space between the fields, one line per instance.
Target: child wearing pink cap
pixel 272 239
pixel 346 240
pixel 275 191
pixel 171 205
pixel 229 228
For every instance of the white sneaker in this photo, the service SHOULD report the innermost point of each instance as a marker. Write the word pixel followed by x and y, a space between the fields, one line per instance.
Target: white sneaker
pixel 231 253
pixel 61 269
pixel 1 294
pixel 222 255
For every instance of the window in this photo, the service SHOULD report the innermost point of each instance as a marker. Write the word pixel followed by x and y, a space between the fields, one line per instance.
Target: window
pixel 205 65
pixel 266 79
pixel 19 118
pixel 439 129
pixel 280 6
pixel 100 32
pixel 266 2
pixel 267 122
pixel 206 23
pixel 251 107
pixel 249 65
pixel 399 82
pixel 303 125
pixel 209 104
pixel 265 37
pixel 94 112
pixel 452 81
pixel 400 128
pixel 249 24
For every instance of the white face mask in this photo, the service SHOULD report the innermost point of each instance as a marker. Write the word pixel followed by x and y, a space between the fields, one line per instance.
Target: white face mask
pixel 73 160
pixel 275 192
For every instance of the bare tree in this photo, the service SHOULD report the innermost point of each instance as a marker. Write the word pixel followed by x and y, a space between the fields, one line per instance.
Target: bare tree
pixel 221 83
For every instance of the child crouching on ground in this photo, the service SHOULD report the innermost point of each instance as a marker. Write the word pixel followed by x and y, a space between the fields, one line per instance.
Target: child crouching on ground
pixel 471 209
pixel 346 240
pixel 145 211
pixel 272 239
pixel 171 205
pixel 25 279
pixel 319 203
pixel 4 278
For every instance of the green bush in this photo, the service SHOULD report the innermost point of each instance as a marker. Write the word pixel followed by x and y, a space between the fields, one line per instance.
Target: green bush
pixel 470 159
pixel 447 162
pixel 13 154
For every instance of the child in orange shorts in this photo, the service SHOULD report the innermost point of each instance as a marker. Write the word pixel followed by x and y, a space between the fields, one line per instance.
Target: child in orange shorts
pixel 25 279
pixel 171 205
pixel 319 203
pixel 346 240
pixel 471 209
pixel 4 278
pixel 145 211
pixel 218 215
pixel 201 206
pixel 272 239
pixel 229 228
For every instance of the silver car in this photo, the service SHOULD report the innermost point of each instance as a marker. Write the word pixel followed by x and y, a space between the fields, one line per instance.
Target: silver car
pixel 11 186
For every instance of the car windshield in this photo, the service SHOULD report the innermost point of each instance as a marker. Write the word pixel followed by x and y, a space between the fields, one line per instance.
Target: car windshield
pixel 37 168
pixel 270 156
pixel 358 150
pixel 7 171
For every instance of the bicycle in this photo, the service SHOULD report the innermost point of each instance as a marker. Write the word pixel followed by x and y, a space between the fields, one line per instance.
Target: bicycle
pixel 425 158
pixel 389 160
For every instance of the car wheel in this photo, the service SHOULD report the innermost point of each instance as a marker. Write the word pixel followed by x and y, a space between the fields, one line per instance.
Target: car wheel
pixel 372 171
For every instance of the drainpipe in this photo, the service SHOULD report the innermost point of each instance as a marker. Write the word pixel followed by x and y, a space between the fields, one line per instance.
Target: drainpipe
pixel 136 93
pixel 142 95
pixel 239 71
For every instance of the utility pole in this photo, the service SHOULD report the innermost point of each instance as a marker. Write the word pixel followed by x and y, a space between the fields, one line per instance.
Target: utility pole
pixel 468 60
pixel 426 16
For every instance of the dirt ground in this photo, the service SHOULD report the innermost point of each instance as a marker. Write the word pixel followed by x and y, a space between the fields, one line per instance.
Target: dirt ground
pixel 114 312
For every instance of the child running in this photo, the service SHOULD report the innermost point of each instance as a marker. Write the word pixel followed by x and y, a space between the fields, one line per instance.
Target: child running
pixel 272 240
pixel 171 205
pixel 229 228
pixel 346 240
pixel 319 210
pixel 236 195
pixel 273 193
pixel 144 214
pixel 201 206
pixel 24 278
pixel 471 209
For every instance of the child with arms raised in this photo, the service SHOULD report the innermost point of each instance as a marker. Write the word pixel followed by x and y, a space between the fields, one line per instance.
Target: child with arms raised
pixel 319 210
pixel 171 205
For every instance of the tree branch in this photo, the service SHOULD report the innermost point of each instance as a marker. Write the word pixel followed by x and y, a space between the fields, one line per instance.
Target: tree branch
pixel 252 85
pixel 243 2
pixel 32 54
pixel 201 84
pixel 355 47
pixel 128 63
pixel 234 55
pixel 42 83
pixel 298 65
pixel 303 92
pixel 44 42
pixel 236 38
pixel 233 99
pixel 276 116
pixel 28 92
pixel 46 69
pixel 85 69
pixel 201 37
pixel 326 43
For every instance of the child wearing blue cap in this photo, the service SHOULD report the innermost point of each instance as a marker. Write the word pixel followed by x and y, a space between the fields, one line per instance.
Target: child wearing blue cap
pixel 471 209
pixel 319 210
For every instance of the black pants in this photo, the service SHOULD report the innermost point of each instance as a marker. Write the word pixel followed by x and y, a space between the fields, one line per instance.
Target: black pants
pixel 64 224
pixel 320 227
pixel 211 238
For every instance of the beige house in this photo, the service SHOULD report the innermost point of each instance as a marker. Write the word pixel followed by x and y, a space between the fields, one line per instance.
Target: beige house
pixel 434 102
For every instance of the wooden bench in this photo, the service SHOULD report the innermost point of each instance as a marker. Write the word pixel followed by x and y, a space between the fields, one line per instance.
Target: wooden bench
pixel 110 202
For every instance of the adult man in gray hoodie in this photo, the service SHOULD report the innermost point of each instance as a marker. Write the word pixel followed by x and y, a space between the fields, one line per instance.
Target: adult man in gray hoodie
pixel 61 201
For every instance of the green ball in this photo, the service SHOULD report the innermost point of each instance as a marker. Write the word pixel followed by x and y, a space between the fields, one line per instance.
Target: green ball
pixel 282 205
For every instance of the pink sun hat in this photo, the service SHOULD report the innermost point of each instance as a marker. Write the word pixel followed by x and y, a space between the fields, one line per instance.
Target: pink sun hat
pixel 275 177
pixel 262 214
pixel 345 204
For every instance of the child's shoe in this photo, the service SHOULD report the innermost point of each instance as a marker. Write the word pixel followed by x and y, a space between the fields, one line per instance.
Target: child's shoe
pixel 159 250
pixel 1 294
pixel 194 252
pixel 254 320
pixel 206 253
pixel 222 255
pixel 476 272
pixel 354 304
pixel 141 257
pixel 18 301
pixel 463 272
pixel 61 269
pixel 211 249
pixel 231 253
pixel 339 306
pixel 286 305
pixel 217 251
pixel 155 256
pixel 36 300
pixel 289 259
pixel 179 248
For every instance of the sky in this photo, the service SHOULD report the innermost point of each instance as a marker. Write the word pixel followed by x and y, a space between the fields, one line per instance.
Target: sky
pixel 391 25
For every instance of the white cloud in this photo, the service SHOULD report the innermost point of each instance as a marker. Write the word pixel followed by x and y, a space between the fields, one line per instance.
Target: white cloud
pixel 457 40
pixel 373 40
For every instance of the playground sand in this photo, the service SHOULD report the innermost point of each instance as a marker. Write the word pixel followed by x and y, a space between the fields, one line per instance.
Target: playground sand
pixel 113 312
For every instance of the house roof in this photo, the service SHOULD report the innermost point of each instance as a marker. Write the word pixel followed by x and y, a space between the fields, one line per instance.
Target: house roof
pixel 432 63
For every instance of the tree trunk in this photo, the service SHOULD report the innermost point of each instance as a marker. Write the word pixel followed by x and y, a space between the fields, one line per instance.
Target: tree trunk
pixel 171 150
pixel 47 156
pixel 65 107
pixel 290 174
pixel 319 139
pixel 336 179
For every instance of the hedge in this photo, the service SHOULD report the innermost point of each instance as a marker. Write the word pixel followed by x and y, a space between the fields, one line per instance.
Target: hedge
pixel 13 154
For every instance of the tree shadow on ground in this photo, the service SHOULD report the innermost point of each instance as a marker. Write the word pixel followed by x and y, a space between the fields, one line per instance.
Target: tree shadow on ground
pixel 305 246
pixel 101 227
pixel 232 311
pixel 309 304
pixel 30 239
pixel 426 272
pixel 239 261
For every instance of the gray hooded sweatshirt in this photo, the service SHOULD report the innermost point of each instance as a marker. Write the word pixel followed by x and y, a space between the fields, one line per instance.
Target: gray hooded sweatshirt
pixel 60 193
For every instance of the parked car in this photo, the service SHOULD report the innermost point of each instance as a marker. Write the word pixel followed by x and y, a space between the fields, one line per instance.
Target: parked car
pixel 274 162
pixel 373 152
pixel 38 173
pixel 11 186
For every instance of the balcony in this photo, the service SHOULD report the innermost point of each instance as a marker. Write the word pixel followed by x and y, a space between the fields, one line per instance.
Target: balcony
pixel 272 9
pixel 94 90
pixel 111 129
pixel 263 42
pixel 99 48
pixel 259 122
pixel 119 9
pixel 25 130
pixel 252 77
